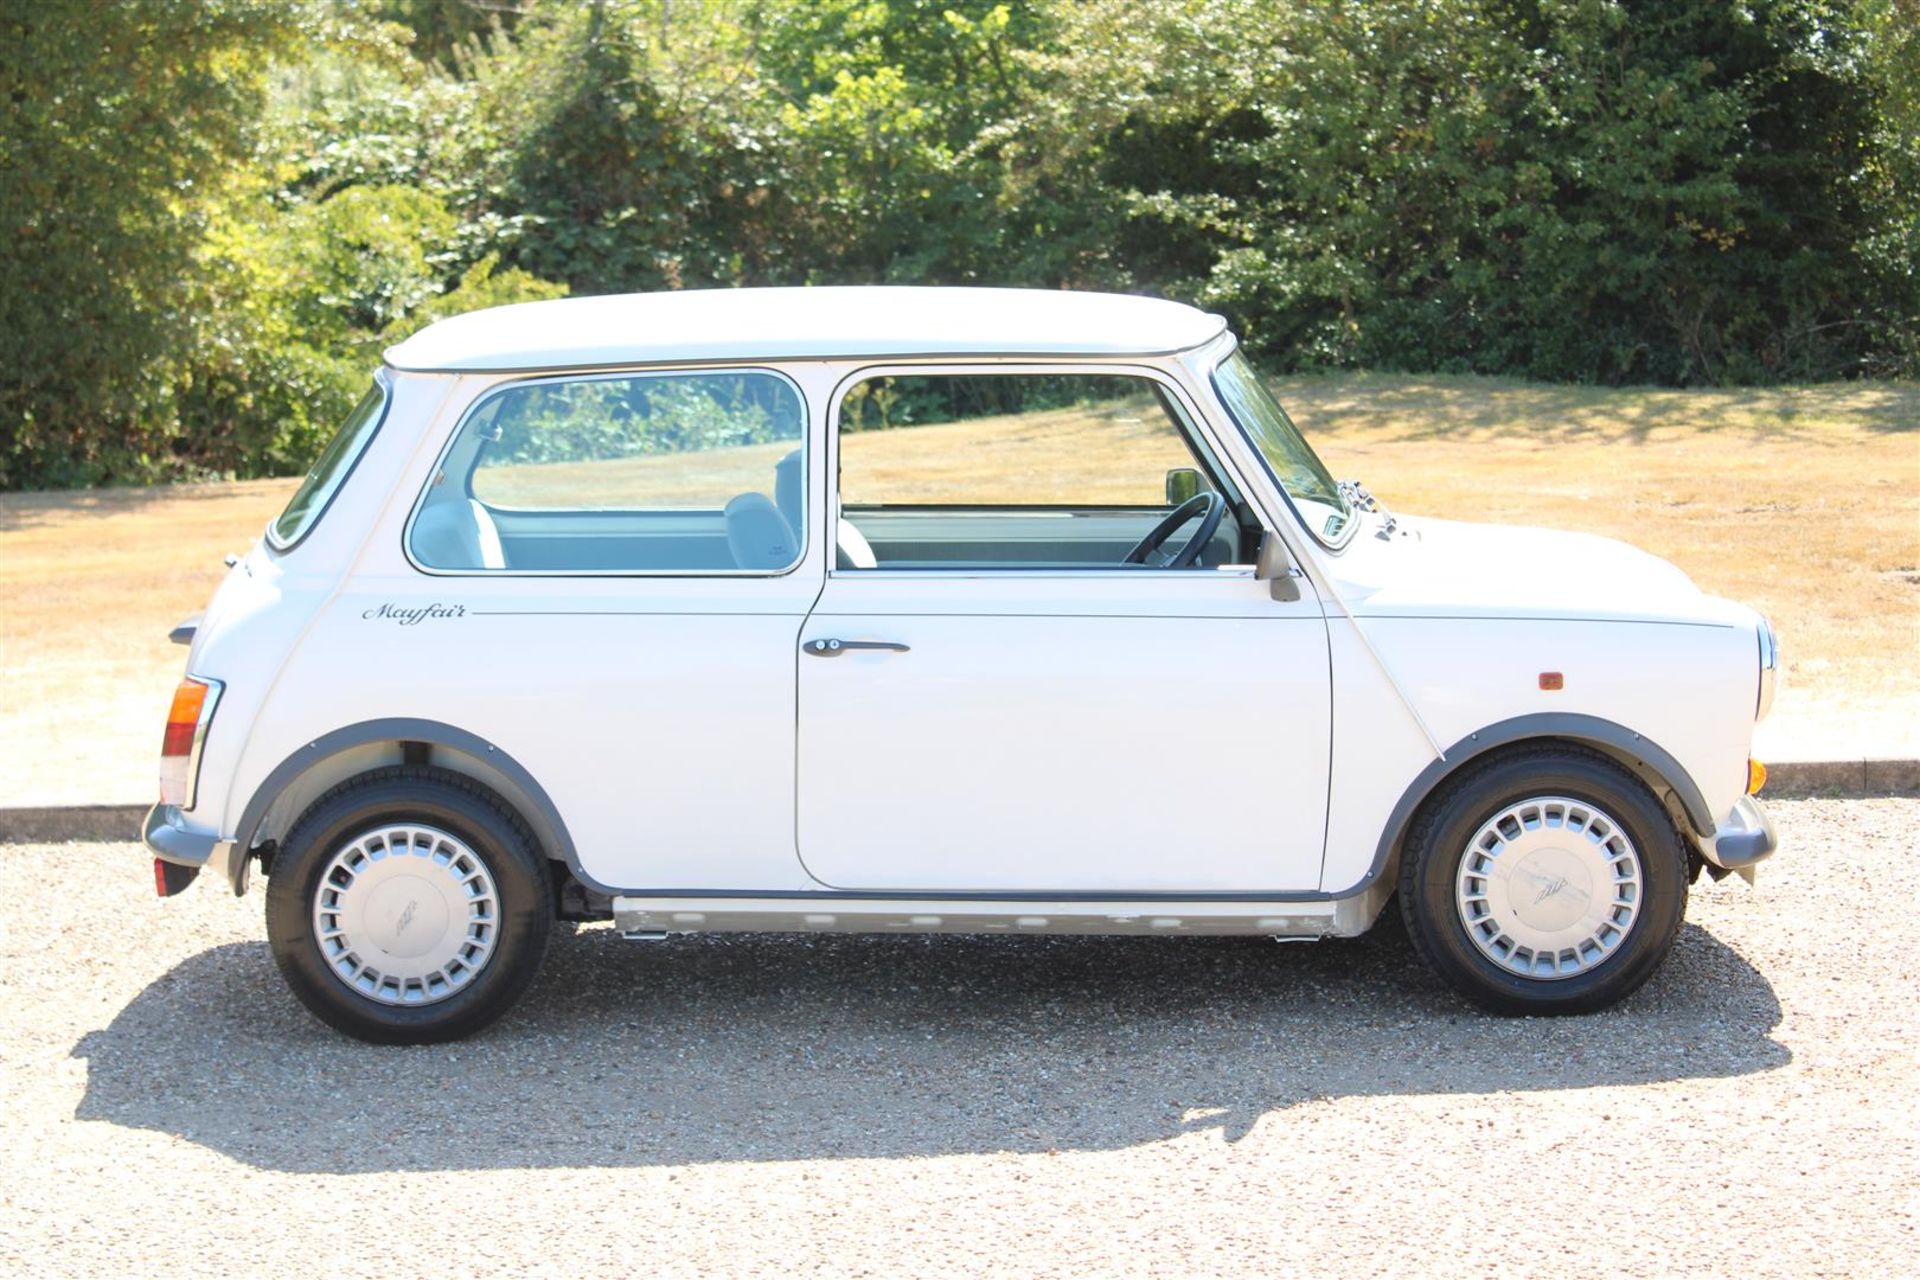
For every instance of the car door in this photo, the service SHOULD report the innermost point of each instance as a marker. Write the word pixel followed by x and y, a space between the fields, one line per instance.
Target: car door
pixel 990 704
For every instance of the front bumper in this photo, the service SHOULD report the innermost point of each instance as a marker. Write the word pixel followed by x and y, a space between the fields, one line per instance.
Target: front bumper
pixel 170 841
pixel 1744 839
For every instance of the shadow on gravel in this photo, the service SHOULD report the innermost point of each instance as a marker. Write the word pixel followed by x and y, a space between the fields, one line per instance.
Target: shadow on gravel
pixel 781 1047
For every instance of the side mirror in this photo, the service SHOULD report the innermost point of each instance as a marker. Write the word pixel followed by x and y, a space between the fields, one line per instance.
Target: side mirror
pixel 1183 485
pixel 1277 569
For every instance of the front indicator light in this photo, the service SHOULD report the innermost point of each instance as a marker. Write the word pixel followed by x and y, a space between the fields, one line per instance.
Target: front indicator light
pixel 1756 777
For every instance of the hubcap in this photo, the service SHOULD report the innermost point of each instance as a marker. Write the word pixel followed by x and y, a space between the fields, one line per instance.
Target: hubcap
pixel 1549 887
pixel 406 915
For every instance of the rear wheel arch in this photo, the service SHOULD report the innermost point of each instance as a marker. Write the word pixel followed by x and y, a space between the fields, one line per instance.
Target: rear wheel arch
pixel 352 750
pixel 1671 785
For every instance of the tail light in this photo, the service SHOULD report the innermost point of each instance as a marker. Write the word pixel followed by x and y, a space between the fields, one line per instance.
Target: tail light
pixel 187 720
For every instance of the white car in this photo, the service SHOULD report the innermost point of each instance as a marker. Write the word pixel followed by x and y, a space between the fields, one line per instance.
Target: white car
pixel 895 610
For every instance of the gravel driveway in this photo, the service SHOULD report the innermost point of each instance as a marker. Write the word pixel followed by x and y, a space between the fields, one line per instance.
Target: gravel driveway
pixel 1019 1106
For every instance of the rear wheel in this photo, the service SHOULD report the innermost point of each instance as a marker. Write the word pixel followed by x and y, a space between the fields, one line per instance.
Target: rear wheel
pixel 408 906
pixel 1546 881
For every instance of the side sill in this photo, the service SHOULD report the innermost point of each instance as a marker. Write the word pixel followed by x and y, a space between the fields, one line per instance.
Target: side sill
pixel 655 916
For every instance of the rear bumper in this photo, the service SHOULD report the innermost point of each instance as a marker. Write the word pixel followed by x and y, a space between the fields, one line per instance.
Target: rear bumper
pixel 1744 839
pixel 170 841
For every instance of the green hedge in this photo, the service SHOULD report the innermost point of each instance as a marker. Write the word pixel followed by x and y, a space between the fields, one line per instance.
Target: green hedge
pixel 219 212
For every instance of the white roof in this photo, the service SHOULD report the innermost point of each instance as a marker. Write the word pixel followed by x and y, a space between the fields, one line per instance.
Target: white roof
pixel 826 323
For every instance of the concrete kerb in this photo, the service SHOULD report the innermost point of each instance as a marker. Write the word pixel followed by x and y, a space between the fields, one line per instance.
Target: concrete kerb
pixel 52 824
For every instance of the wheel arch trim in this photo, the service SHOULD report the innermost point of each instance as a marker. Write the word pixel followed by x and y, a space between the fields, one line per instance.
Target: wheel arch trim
pixel 530 800
pixel 1652 763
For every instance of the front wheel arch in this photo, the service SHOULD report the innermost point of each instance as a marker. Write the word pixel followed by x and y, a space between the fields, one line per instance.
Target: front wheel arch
pixel 1655 767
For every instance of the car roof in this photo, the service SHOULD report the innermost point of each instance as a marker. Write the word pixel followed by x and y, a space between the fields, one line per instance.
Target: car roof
pixel 822 323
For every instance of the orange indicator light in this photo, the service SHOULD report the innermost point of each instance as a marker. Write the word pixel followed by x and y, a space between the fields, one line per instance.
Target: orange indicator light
pixel 183 718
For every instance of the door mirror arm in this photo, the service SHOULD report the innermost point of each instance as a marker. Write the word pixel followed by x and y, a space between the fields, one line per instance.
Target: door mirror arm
pixel 1277 569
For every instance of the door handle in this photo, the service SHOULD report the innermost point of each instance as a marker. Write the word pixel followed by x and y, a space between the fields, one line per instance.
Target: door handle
pixel 834 648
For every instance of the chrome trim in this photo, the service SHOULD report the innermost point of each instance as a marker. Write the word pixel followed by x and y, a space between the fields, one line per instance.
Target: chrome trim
pixel 969 569
pixel 381 380
pixel 608 374
pixel 1338 544
pixel 1197 429
pixel 167 840
pixel 1742 840
pixel 1769 670
pixel 214 689
pixel 650 917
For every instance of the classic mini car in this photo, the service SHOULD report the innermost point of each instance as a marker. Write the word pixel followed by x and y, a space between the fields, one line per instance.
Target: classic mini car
pixel 894 610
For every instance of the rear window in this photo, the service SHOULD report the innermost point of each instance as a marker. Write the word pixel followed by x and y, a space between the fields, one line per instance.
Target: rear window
pixel 310 500
pixel 637 473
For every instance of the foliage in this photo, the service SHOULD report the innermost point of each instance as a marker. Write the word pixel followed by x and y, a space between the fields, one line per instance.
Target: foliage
pixel 220 212
pixel 110 153
pixel 1669 191
pixel 596 419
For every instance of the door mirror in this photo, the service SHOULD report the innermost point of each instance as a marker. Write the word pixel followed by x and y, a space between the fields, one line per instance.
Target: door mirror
pixel 1183 485
pixel 1276 568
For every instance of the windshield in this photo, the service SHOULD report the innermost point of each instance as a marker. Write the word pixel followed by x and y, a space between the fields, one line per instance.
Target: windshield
pixel 336 461
pixel 1322 507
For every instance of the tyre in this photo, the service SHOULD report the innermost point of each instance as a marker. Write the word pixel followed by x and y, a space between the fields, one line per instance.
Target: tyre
pixel 409 905
pixel 1547 881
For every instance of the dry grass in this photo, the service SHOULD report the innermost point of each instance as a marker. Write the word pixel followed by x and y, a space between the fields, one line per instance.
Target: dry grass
pixel 90 584
pixel 1804 502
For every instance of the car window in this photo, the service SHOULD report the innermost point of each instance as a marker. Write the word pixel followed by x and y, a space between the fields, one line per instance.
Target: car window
pixel 336 461
pixel 637 473
pixel 1014 469
pixel 1291 460
pixel 1008 440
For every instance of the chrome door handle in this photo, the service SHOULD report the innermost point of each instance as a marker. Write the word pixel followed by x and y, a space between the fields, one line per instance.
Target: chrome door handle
pixel 834 648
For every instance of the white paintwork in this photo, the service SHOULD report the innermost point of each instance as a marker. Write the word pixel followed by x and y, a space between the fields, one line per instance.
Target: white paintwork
pixel 1068 733
pixel 1445 568
pixel 821 323
pixel 1059 734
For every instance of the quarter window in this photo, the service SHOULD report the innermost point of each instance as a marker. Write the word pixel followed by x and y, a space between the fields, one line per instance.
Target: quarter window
pixel 642 473
pixel 335 464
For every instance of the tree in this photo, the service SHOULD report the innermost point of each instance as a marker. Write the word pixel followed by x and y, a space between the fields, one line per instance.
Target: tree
pixel 119 125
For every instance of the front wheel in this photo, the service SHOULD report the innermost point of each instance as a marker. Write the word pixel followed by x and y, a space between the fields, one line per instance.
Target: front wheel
pixel 1544 882
pixel 408 906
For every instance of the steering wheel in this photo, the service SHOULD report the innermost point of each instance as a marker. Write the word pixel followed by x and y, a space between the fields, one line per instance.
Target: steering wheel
pixel 1207 506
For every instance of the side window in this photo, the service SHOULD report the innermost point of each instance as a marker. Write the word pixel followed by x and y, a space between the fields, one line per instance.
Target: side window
pixel 1020 470
pixel 335 464
pixel 639 473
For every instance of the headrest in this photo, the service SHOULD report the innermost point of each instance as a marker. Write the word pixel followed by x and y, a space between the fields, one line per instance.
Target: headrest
pixel 757 534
